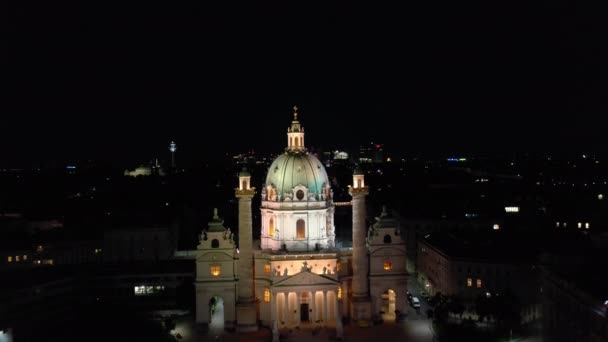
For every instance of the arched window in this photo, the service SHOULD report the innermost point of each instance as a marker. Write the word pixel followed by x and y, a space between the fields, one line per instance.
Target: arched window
pixel 290 141
pixel 244 185
pixel 387 239
pixel 215 243
pixel 300 195
pixel 359 183
pixel 300 229
pixel 271 227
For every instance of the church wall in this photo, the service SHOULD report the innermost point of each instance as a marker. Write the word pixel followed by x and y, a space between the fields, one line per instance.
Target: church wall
pixel 396 256
pixel 285 222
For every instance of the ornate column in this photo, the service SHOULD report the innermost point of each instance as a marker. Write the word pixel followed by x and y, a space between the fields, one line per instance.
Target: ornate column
pixel 246 315
pixel 361 303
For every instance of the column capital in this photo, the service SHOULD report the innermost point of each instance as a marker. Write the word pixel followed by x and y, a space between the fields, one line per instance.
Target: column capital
pixel 245 193
pixel 357 192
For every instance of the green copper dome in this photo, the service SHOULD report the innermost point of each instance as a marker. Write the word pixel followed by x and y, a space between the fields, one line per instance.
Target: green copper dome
pixel 297 168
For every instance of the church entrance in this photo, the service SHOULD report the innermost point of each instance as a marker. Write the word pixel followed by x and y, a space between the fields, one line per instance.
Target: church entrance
pixel 389 300
pixel 304 312
pixel 216 314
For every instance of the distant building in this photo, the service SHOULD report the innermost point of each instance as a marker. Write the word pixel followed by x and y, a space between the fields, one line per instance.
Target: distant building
pixel 480 266
pixel 574 309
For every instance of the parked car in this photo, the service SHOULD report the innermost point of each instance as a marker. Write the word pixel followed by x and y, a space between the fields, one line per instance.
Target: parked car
pixel 415 302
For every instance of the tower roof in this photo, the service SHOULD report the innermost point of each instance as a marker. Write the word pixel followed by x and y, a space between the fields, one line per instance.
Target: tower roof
pixel 244 172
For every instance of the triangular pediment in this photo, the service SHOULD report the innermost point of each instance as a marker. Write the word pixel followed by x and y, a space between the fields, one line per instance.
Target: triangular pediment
pixel 306 278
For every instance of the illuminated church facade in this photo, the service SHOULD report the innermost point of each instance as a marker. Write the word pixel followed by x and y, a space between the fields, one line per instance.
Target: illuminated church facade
pixel 295 275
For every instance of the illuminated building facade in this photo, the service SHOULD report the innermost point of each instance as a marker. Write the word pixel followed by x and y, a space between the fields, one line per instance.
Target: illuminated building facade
pixel 295 275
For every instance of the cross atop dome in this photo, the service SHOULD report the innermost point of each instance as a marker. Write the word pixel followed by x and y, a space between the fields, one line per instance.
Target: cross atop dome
pixel 295 113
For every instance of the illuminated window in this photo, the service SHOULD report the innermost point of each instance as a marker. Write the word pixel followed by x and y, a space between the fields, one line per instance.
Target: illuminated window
pixel 339 267
pixel 340 292
pixel 147 290
pixel 469 282
pixel 587 225
pixel 557 224
pixel 39 248
pixel 579 225
pixel 388 265
pixel 300 229
pixel 496 226
pixel 97 250
pixel 267 268
pixel 24 257
pixel 267 295
pixel 478 283
pixel 10 258
pixel 271 227
pixel 48 262
pixel 216 271
pixel 17 258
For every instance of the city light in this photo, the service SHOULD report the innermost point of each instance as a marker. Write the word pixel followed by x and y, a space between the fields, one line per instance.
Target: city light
pixel 496 226
pixel 512 209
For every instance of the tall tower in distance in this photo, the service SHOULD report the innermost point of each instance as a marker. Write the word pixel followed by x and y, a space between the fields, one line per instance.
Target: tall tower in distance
pixel 172 148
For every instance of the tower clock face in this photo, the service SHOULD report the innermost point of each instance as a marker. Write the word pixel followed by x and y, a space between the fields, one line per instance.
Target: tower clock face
pixel 300 195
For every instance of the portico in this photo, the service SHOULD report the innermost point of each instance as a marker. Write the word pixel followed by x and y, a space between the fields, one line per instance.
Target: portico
pixel 305 298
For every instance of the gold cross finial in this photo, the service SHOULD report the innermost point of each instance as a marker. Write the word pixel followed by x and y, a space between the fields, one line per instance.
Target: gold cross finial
pixel 295 112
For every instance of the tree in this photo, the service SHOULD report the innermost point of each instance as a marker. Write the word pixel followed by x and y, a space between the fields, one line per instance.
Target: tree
pixel 508 310
pixel 483 307
pixel 456 305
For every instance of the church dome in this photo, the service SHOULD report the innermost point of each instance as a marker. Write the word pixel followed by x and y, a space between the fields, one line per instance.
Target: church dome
pixel 293 169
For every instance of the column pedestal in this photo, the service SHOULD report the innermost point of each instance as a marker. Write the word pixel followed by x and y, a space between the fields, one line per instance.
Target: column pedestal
pixel 361 310
pixel 246 317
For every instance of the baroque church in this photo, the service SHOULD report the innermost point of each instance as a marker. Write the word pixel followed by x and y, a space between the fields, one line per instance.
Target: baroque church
pixel 294 275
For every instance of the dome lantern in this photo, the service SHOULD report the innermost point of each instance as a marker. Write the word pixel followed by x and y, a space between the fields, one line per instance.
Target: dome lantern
pixel 295 134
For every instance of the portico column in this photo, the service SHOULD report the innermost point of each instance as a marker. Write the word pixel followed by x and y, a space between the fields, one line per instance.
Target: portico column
pixel 325 307
pixel 274 300
pixel 337 315
pixel 298 308
pixel 312 305
pixel 286 308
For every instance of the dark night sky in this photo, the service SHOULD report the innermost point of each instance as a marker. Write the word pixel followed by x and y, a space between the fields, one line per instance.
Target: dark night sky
pixel 119 81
